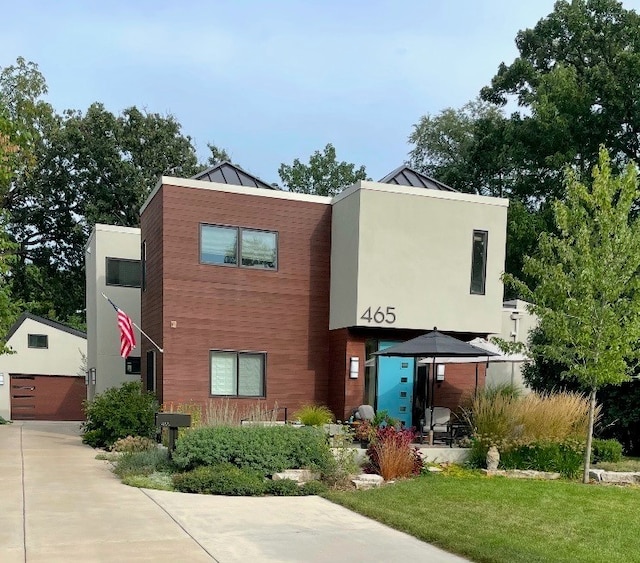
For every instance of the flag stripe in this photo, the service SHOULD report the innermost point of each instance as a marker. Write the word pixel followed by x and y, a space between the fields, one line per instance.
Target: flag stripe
pixel 127 337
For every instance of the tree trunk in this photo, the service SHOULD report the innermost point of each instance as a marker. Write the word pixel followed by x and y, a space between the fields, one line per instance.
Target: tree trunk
pixel 587 453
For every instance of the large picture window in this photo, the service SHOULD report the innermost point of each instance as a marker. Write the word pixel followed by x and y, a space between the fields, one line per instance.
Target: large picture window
pixel 479 262
pixel 237 246
pixel 121 272
pixel 218 245
pixel 237 374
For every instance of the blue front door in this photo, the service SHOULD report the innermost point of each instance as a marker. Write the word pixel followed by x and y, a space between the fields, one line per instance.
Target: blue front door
pixel 395 385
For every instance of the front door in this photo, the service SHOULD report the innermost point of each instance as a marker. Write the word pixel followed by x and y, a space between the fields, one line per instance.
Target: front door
pixel 395 385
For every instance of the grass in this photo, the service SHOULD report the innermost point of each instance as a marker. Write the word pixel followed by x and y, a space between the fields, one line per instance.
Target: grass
pixel 508 520
pixel 626 464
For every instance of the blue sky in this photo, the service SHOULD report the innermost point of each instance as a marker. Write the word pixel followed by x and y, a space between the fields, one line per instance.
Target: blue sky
pixel 272 81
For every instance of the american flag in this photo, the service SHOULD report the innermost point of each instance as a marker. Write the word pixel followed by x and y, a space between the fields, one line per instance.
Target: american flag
pixel 127 337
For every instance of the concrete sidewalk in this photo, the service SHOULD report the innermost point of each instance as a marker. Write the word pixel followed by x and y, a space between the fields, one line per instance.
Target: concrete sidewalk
pixel 59 503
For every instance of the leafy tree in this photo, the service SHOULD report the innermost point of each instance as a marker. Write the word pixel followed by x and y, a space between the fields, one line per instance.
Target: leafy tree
pixel 324 175
pixel 218 155
pixel 587 296
pixel 577 80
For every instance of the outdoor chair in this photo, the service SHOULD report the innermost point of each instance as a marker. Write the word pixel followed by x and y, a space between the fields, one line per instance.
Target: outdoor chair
pixel 439 422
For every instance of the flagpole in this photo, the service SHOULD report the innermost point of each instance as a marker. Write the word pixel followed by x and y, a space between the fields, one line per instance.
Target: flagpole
pixel 141 331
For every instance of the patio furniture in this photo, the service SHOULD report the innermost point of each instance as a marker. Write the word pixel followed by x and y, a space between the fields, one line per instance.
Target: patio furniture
pixel 438 421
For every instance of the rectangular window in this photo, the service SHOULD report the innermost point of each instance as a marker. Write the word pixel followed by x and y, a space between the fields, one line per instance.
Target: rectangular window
pixel 38 341
pixel 125 273
pixel 479 262
pixel 151 370
pixel 218 245
pixel 237 374
pixel 259 249
pixel 143 272
pixel 132 365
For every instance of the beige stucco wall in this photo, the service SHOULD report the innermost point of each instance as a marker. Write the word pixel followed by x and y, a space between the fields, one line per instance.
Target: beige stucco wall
pixel 414 254
pixel 103 336
pixel 62 357
pixel 517 323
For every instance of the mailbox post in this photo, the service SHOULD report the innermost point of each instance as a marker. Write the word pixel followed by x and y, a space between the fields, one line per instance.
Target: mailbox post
pixel 172 421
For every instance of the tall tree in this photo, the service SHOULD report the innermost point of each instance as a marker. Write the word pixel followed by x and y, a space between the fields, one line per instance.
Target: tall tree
pixel 324 175
pixel 577 80
pixel 587 296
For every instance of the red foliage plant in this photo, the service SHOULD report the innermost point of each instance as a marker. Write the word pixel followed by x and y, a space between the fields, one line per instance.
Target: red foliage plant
pixel 392 455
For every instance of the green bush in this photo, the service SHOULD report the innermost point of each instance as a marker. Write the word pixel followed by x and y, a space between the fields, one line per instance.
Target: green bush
pixel 313 415
pixel 565 457
pixel 282 488
pixel 117 413
pixel 313 488
pixel 143 463
pixel 606 450
pixel 221 479
pixel 133 444
pixel 267 450
pixel 3 421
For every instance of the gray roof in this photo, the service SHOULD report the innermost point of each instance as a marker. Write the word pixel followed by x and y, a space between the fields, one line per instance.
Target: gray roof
pixel 48 322
pixel 227 173
pixel 405 176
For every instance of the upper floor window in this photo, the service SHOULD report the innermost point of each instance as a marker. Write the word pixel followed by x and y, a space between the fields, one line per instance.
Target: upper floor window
pixel 479 262
pixel 38 341
pixel 123 272
pixel 233 246
pixel 143 270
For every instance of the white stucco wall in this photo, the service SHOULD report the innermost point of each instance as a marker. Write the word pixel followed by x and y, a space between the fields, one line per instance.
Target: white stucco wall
pixel 103 336
pixel 411 249
pixel 62 357
pixel 517 323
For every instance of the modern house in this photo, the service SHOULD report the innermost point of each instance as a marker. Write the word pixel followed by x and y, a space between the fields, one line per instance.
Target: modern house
pixel 255 293
pixel 112 265
pixel 43 379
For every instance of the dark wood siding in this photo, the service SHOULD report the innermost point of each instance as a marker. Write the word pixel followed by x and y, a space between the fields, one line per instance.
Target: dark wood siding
pixel 284 313
pixel 151 297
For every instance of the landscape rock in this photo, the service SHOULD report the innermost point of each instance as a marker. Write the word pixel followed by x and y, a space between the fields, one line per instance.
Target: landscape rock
pixel 626 477
pixel 297 475
pixel 367 481
pixel 522 474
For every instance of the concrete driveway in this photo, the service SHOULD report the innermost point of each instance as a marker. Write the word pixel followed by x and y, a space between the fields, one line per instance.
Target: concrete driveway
pixel 58 503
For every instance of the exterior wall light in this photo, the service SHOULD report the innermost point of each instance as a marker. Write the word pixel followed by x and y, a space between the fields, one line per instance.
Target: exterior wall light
pixel 440 372
pixel 354 367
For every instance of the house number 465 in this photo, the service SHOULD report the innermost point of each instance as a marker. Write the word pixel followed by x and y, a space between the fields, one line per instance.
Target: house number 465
pixel 380 315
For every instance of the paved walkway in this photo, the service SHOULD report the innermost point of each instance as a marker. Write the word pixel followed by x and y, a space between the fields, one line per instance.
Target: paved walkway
pixel 58 503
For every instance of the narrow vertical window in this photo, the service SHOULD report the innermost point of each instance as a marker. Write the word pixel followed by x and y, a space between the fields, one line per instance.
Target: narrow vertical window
pixel 151 370
pixel 479 262
pixel 143 256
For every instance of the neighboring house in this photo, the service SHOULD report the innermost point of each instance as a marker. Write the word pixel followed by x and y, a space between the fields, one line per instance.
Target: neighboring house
pixel 44 378
pixel 112 264
pixel 256 293
pixel 517 323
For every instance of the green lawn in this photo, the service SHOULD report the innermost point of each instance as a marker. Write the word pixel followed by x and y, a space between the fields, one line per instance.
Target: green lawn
pixel 510 520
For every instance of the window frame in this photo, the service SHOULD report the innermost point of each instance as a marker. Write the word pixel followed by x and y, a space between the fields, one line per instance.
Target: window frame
pixel 143 266
pixel 239 353
pixel 239 231
pixel 106 272
pixel 483 290
pixel 46 341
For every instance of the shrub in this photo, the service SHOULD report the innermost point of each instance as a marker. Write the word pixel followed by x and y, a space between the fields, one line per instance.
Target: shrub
pixel 221 479
pixel 117 413
pixel 606 451
pixel 565 457
pixel 313 488
pixel 133 444
pixel 383 418
pixel 159 481
pixel 143 463
pixel 342 464
pixel 4 421
pixel 391 454
pixel 314 415
pixel 282 488
pixel 267 450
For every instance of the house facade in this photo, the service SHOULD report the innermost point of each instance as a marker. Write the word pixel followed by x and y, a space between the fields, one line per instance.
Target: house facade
pixel 261 294
pixel 112 266
pixel 43 379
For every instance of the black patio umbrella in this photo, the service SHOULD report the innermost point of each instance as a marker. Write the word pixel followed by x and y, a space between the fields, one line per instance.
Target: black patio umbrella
pixel 434 345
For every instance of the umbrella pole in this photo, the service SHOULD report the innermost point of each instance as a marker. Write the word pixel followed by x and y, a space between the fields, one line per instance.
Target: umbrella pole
pixel 475 393
pixel 433 388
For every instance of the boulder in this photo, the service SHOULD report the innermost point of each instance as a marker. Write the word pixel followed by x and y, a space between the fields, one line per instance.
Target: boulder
pixel 297 475
pixel 367 481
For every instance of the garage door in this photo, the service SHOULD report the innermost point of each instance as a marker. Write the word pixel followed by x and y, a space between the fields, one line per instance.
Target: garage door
pixel 47 397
